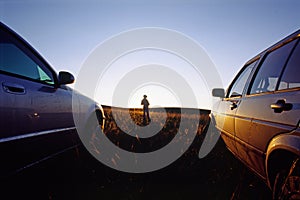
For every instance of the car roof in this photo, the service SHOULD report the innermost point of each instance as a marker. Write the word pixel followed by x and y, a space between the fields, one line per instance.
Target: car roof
pixel 283 41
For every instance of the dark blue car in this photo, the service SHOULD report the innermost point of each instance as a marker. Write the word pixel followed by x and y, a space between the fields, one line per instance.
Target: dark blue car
pixel 36 119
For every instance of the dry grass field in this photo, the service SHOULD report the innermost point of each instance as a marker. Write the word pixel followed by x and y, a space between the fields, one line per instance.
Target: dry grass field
pixel 217 176
pixel 168 131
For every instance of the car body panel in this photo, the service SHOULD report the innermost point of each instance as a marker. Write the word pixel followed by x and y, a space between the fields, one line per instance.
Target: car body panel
pixel 226 124
pixel 14 107
pixel 265 121
pixel 261 127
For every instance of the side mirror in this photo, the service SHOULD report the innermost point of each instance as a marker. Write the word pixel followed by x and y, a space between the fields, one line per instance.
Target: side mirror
pixel 218 92
pixel 65 78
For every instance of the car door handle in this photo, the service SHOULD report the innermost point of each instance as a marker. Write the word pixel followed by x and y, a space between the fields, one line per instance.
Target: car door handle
pixel 233 105
pixel 13 88
pixel 281 105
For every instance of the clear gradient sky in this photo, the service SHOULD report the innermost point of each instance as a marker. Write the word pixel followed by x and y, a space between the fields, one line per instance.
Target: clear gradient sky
pixel 231 31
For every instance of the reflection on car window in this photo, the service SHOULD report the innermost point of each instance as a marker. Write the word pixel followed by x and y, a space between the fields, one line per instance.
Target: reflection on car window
pixel 269 72
pixel 239 85
pixel 13 60
pixel 43 76
pixel 291 77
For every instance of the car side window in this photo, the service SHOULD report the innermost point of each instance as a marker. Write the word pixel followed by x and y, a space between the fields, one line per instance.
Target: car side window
pixel 291 78
pixel 14 60
pixel 268 74
pixel 239 85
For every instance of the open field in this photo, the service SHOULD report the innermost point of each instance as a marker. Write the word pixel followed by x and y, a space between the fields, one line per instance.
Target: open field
pixel 75 175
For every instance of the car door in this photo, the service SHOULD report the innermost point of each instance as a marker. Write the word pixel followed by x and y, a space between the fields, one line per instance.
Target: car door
pixel 257 119
pixel 36 112
pixel 17 112
pixel 31 91
pixel 228 107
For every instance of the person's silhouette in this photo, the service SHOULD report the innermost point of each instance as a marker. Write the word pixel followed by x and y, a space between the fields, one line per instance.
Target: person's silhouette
pixel 145 103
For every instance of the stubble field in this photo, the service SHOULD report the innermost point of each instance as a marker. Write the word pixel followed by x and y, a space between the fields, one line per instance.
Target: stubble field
pixel 76 175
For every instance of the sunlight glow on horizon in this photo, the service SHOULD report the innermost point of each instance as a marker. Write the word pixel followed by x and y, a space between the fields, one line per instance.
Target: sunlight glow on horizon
pixel 160 95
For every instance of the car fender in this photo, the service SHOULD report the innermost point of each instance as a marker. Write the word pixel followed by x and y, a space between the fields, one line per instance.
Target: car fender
pixel 93 111
pixel 84 109
pixel 289 142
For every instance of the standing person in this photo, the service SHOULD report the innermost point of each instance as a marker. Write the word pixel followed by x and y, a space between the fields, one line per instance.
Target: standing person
pixel 145 104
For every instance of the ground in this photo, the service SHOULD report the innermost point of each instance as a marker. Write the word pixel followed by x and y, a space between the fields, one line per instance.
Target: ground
pixel 77 175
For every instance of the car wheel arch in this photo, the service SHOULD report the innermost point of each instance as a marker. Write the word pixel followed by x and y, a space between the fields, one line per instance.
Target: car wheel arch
pixel 96 114
pixel 278 160
pixel 280 154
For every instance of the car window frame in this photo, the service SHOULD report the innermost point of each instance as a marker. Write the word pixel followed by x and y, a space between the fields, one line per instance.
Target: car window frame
pixel 255 59
pixel 29 51
pixel 284 68
pixel 264 55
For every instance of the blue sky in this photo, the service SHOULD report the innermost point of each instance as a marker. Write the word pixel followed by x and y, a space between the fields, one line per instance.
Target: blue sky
pixel 231 32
